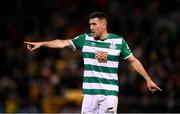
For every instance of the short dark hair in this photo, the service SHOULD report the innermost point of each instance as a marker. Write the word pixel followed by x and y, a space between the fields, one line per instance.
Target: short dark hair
pixel 99 15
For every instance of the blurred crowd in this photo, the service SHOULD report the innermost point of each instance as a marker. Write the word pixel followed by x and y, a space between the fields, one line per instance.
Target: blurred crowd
pixel 50 80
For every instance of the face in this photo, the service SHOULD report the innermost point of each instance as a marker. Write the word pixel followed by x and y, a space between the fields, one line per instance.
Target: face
pixel 97 27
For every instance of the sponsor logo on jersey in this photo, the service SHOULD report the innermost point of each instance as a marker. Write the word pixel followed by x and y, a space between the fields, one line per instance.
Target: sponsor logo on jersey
pixel 101 56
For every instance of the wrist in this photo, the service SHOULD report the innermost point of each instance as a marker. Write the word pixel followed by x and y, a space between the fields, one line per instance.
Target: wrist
pixel 148 79
pixel 44 43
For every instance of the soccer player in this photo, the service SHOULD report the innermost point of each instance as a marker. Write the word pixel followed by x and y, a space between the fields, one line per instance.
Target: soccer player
pixel 101 51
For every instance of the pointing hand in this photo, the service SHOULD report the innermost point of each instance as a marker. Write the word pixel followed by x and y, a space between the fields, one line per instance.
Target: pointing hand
pixel 33 45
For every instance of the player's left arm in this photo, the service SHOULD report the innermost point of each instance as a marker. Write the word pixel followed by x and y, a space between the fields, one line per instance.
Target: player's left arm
pixel 140 69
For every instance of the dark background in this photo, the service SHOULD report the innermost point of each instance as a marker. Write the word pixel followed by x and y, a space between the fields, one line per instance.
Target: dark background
pixel 50 80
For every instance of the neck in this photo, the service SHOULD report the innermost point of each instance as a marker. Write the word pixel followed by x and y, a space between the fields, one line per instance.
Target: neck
pixel 104 35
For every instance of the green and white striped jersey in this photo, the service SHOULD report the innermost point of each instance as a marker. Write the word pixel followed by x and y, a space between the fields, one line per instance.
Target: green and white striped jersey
pixel 101 59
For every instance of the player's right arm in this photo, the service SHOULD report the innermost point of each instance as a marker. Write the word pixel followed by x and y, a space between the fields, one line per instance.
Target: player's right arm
pixel 75 43
pixel 52 44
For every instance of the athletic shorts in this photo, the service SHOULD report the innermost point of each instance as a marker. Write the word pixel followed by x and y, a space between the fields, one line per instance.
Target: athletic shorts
pixel 99 104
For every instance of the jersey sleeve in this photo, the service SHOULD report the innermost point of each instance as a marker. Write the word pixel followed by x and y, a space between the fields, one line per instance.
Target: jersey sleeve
pixel 125 50
pixel 78 42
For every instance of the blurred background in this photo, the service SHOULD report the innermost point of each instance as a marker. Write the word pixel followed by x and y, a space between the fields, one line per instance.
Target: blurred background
pixel 50 80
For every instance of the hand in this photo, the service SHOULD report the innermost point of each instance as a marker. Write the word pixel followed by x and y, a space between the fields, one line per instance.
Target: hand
pixel 152 86
pixel 33 45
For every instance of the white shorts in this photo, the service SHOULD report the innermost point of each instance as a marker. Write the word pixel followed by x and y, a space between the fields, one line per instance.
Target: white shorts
pixel 99 104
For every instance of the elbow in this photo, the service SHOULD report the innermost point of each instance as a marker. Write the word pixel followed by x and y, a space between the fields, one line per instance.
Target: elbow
pixel 59 43
pixel 132 59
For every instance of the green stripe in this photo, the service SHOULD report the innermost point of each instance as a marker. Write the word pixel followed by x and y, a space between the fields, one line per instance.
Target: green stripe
pixel 100 68
pixel 100 91
pixel 100 80
pixel 100 44
pixel 92 55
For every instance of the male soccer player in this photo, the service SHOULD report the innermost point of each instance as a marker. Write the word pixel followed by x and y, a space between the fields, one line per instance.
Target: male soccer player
pixel 101 51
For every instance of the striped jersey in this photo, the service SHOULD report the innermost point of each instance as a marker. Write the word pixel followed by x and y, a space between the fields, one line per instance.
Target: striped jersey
pixel 101 59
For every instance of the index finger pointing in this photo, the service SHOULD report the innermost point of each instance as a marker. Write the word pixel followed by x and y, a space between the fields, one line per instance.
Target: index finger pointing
pixel 28 42
pixel 159 89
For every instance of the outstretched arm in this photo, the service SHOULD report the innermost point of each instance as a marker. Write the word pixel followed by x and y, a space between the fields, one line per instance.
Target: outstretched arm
pixel 140 69
pixel 52 44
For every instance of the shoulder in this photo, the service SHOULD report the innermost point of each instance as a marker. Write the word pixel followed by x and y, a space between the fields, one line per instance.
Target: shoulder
pixel 85 35
pixel 88 34
pixel 81 36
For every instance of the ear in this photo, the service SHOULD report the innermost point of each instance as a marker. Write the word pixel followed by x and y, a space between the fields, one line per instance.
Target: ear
pixel 104 25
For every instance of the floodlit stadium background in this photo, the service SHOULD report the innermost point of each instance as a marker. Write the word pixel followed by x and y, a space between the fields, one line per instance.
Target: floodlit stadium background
pixel 49 80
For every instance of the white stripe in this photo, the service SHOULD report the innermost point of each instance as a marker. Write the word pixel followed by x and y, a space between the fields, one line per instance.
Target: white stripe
pixel 100 86
pixel 111 64
pixel 115 41
pixel 94 49
pixel 110 76
pixel 89 38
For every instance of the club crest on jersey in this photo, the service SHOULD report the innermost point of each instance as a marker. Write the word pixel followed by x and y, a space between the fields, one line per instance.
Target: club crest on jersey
pixel 112 46
pixel 101 56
